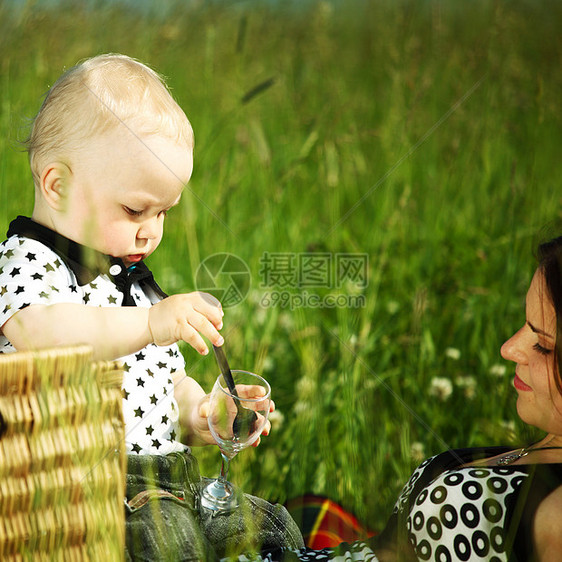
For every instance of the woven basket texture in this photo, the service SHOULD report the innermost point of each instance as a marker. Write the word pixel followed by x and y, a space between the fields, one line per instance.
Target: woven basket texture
pixel 62 460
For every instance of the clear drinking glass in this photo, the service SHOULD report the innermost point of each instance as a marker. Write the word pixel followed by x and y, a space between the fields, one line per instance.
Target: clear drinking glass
pixel 236 420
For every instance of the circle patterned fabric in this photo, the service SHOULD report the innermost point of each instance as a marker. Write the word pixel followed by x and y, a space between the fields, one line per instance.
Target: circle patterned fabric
pixel 460 515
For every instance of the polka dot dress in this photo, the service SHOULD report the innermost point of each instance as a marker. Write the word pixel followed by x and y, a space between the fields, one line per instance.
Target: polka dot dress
pixel 450 512
pixel 31 273
pixel 460 514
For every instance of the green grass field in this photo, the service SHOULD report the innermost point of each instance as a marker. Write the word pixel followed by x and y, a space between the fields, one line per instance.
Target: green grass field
pixel 422 134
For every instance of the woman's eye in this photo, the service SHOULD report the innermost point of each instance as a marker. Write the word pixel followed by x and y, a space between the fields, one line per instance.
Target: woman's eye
pixel 538 347
pixel 132 212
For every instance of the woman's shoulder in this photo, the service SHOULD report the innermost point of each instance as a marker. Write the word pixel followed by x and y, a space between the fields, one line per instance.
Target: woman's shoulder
pixel 536 509
pixel 547 526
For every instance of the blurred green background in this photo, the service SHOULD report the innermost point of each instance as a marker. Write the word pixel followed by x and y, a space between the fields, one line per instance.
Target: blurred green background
pixel 423 134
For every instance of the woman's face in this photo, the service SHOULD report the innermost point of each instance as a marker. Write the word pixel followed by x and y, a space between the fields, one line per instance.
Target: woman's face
pixel 532 349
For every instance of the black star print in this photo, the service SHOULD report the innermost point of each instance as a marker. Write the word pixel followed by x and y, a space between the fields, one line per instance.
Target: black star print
pixel 149 373
pixel 165 419
pixel 139 356
pixel 15 271
pixel 161 365
pixel 19 290
pixel 136 448
pixel 24 305
pixel 156 443
pixel 139 413
pixel 37 276
pixel 111 299
pixel 149 430
pixel 170 352
pixel 86 298
pixel 53 288
pixel 3 290
pixel 140 382
pixel 125 394
pixel 9 253
pixel 57 263
pixel 153 399
pixel 94 285
pixel 126 367
pixel 172 435
pixel 73 288
pixel 49 267
pixel 30 256
pixel 7 307
pixel 43 295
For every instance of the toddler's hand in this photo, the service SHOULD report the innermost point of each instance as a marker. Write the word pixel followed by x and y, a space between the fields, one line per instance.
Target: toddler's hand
pixel 185 317
pixel 199 424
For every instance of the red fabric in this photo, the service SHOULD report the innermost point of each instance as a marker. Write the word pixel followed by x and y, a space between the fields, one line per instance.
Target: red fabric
pixel 324 523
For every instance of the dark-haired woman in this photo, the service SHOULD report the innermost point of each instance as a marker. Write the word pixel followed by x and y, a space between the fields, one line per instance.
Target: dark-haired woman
pixel 493 503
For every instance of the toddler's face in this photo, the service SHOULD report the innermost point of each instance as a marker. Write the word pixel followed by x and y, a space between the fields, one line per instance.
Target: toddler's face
pixel 120 192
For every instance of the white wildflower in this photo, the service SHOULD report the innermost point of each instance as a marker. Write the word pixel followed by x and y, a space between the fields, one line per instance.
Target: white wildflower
pixel 468 384
pixel 497 370
pixel 276 418
pixel 260 316
pixel 453 353
pixel 306 387
pixel 302 408
pixel 268 364
pixel 351 288
pixel 441 388
pixel 255 297
pixel 286 321
pixel 417 452
pixel 371 383
pixel 392 307
pixel 509 427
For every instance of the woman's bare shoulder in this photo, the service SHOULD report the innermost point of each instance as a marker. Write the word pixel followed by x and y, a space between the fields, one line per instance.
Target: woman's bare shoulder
pixel 547 527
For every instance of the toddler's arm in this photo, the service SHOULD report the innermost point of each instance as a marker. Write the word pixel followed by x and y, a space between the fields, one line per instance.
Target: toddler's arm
pixel 117 331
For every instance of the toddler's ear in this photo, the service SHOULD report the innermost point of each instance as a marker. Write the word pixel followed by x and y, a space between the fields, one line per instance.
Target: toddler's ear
pixel 55 183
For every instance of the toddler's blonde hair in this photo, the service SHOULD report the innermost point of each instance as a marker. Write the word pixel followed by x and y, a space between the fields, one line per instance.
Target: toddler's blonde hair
pixel 97 95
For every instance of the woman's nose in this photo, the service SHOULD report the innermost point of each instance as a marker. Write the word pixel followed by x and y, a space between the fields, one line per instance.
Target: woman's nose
pixel 513 348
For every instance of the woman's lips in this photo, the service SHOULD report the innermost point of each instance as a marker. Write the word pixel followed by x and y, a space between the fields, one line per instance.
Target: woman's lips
pixel 520 385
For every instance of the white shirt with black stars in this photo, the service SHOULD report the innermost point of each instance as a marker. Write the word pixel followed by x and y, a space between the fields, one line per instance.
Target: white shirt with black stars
pixel 31 273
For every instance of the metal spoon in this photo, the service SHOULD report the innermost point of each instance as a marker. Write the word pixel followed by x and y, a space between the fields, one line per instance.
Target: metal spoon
pixel 244 421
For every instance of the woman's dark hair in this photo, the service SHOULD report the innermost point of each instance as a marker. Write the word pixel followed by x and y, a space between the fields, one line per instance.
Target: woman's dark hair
pixel 550 263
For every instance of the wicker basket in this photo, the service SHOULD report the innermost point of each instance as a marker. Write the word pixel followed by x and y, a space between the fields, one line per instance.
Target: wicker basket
pixel 62 460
